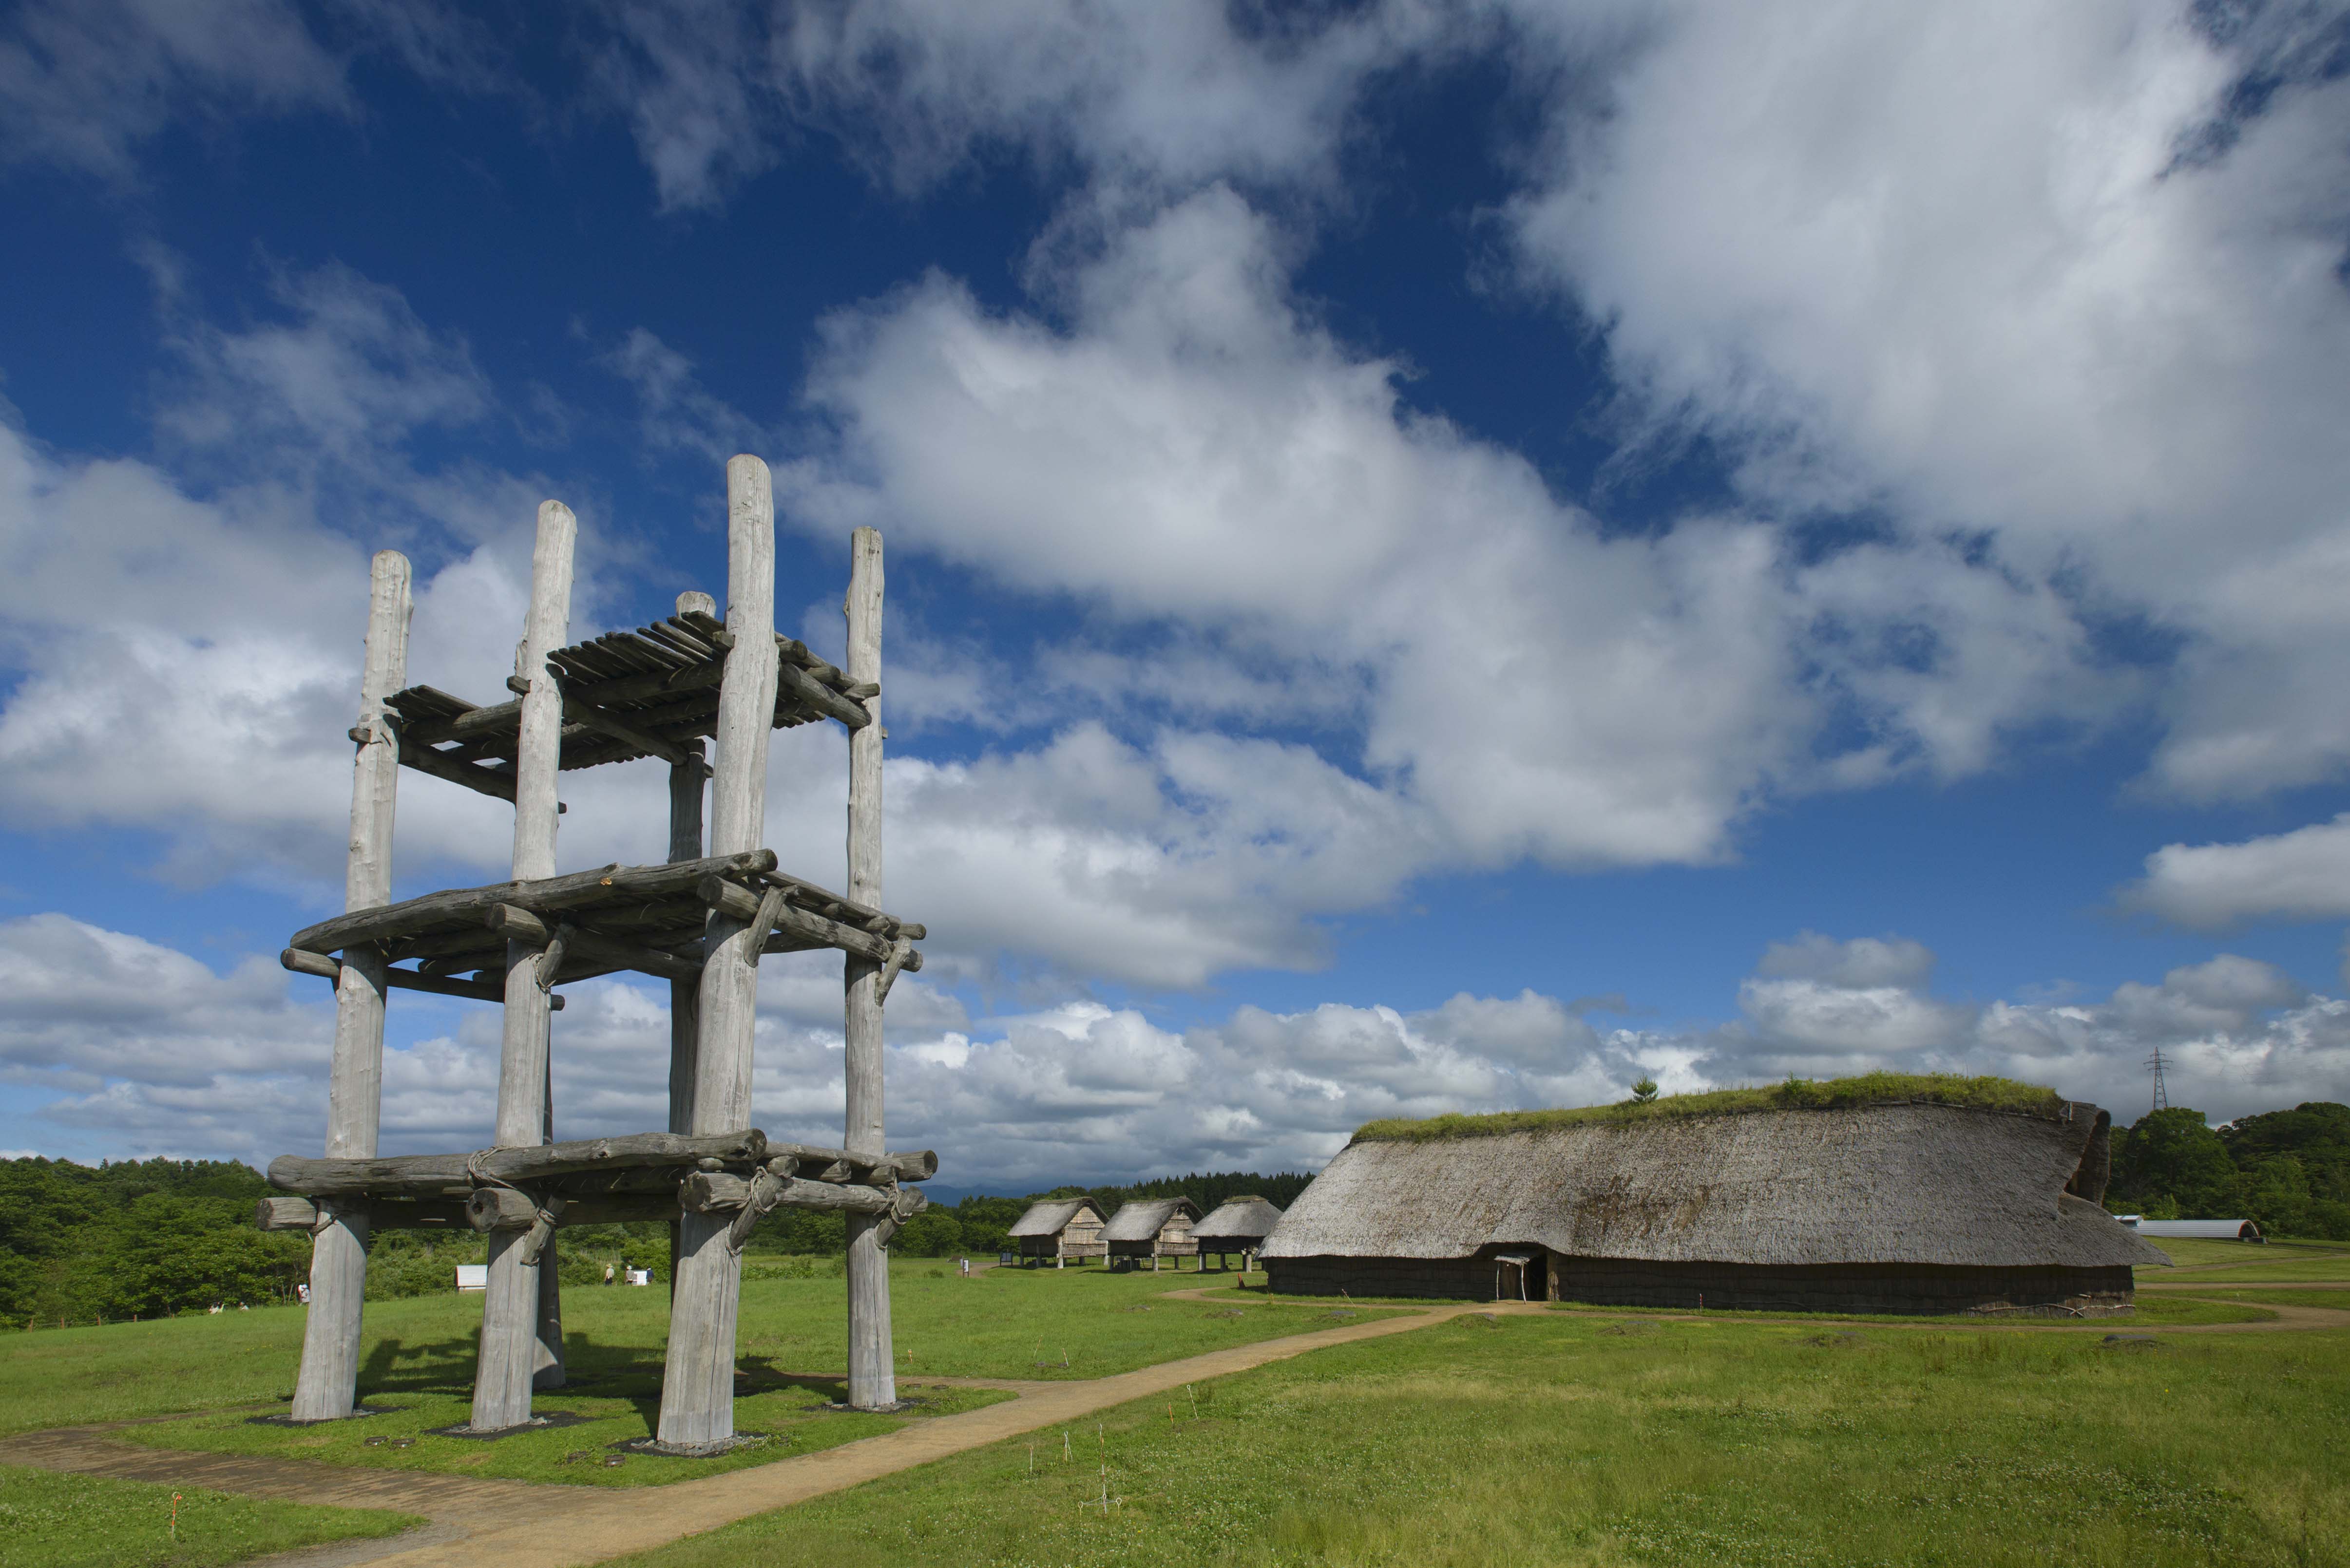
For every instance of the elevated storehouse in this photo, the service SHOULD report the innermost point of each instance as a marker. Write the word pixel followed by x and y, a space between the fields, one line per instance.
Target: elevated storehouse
pixel 1878 1195
pixel 1237 1225
pixel 1152 1228
pixel 1059 1229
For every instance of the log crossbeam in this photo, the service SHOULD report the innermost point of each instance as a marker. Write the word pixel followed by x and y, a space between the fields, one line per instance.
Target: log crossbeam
pixel 805 928
pixel 600 1181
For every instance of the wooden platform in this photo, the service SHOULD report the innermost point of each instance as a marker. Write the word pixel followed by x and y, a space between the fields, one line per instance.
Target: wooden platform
pixel 651 693
pixel 649 918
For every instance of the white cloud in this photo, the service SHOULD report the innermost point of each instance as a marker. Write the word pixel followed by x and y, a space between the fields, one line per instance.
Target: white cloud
pixel 148 1051
pixel 2238 1035
pixel 187 658
pixel 916 88
pixel 2303 875
pixel 1191 451
pixel 84 83
pixel 1861 964
pixel 1996 268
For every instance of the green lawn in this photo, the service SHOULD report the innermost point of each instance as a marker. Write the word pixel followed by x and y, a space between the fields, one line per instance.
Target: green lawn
pixel 2336 1300
pixel 2200 1261
pixel 2154 1309
pixel 419 1358
pixel 87 1521
pixel 1572 1439
pixel 790 1415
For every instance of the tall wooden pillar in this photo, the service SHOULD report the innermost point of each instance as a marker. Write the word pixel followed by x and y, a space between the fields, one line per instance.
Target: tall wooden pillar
pixel 698 1379
pixel 686 782
pixel 510 1307
pixel 327 1385
pixel 872 1380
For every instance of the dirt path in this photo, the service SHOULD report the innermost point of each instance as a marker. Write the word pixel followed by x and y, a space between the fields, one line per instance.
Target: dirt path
pixel 524 1524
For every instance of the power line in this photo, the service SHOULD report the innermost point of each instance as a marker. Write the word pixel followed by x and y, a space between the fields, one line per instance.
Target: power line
pixel 2161 1093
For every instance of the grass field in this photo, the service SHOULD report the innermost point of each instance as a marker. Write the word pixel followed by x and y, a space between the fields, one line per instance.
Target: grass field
pixel 88 1521
pixel 1572 1439
pixel 2334 1301
pixel 2205 1262
pixel 2159 1311
pixel 789 1413
pixel 418 1358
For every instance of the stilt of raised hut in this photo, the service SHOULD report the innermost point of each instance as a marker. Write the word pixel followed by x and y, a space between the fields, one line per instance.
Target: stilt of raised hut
pixel 325 1389
pixel 510 1307
pixel 872 1380
pixel 698 1383
pixel 700 920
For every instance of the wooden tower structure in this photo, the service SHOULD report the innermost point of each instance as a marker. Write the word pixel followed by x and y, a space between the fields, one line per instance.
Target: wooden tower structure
pixel 701 921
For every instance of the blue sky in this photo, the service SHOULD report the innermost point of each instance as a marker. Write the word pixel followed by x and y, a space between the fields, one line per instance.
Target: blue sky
pixel 1442 556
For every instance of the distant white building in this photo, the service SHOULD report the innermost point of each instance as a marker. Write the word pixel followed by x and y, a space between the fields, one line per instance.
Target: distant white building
pixel 2208 1230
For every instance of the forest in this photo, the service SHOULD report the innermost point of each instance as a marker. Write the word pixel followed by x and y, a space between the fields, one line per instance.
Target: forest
pixel 137 1239
pixel 2289 1170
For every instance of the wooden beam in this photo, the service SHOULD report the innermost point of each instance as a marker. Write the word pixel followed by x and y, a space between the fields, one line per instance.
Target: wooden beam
pixel 822 902
pixel 737 903
pixel 808 1160
pixel 524 1165
pixel 327 968
pixel 520 926
pixel 822 698
pixel 609 884
pixel 710 1191
pixel 495 782
pixel 301 1214
pixel 580 710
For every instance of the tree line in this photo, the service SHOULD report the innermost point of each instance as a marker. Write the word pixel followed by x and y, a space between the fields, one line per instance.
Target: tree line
pixel 2289 1172
pixel 137 1238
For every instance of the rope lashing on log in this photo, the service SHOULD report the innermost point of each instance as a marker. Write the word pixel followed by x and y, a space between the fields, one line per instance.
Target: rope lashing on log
pixel 908 1204
pixel 542 1228
pixel 900 951
pixel 550 958
pixel 766 1189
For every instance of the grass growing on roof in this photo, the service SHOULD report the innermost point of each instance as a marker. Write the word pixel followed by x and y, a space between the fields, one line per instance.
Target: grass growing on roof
pixel 1794 1095
pixel 52 1521
pixel 1589 1442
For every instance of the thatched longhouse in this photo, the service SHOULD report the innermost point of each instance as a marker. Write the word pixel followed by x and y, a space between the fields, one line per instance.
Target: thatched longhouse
pixel 1236 1225
pixel 1152 1228
pixel 1059 1229
pixel 1881 1194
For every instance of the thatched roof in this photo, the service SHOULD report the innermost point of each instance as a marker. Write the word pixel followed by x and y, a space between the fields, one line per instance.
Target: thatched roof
pixel 1141 1218
pixel 1050 1216
pixel 1905 1183
pixel 1246 1219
